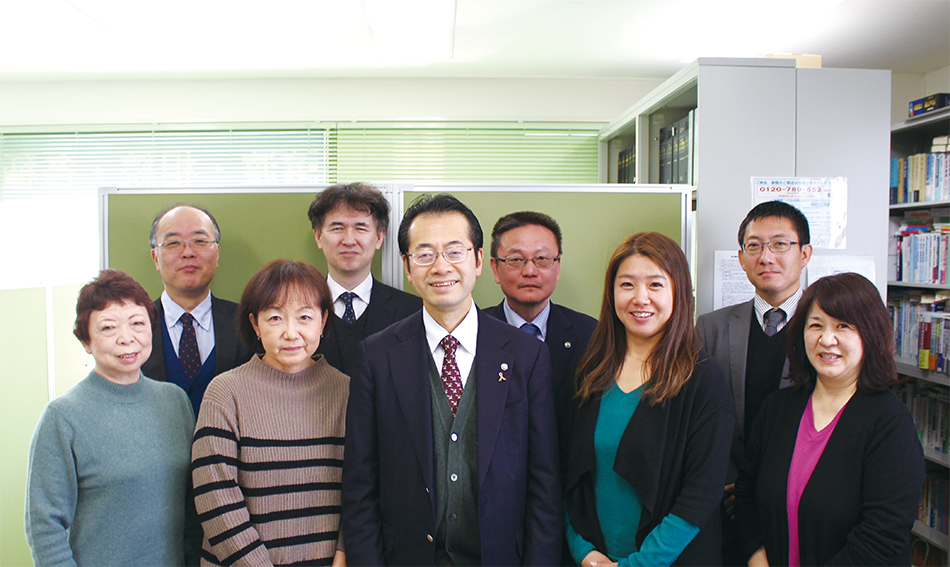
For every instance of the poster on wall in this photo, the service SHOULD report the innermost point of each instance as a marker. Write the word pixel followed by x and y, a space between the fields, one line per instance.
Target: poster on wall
pixel 823 200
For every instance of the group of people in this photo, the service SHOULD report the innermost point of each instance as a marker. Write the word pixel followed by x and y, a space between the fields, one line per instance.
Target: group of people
pixel 334 420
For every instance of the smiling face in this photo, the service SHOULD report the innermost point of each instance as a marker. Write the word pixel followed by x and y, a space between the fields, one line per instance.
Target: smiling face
pixel 527 288
pixel 445 289
pixel 290 333
pixel 120 339
pixel 349 239
pixel 775 276
pixel 643 300
pixel 186 273
pixel 834 348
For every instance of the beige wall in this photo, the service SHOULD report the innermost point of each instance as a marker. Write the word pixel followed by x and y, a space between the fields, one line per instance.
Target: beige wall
pixel 28 105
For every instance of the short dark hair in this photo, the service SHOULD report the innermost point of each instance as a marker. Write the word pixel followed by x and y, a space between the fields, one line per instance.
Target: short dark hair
pixel 851 298
pixel 153 233
pixel 439 204
pixel 110 286
pixel 673 358
pixel 361 197
pixel 273 285
pixel 520 219
pixel 781 210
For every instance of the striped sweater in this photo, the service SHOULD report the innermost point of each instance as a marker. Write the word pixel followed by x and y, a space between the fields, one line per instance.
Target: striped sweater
pixel 267 464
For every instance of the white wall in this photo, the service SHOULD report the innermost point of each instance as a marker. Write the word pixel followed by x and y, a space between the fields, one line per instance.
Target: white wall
pixel 33 105
pixel 906 87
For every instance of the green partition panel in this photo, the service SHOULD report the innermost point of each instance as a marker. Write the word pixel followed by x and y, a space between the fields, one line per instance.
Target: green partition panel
pixel 256 227
pixel 592 223
pixel 25 385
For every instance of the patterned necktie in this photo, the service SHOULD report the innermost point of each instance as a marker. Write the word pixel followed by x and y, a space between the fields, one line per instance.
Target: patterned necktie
pixel 773 318
pixel 451 378
pixel 533 329
pixel 349 315
pixel 188 346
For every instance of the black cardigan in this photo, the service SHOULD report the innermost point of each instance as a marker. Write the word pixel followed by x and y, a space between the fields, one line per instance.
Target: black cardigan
pixel 675 456
pixel 861 500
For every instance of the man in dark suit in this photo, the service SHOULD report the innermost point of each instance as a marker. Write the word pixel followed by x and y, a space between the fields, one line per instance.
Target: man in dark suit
pixel 748 339
pixel 451 452
pixel 349 224
pixel 526 262
pixel 199 335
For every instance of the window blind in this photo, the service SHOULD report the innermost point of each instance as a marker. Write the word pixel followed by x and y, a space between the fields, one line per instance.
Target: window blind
pixel 445 152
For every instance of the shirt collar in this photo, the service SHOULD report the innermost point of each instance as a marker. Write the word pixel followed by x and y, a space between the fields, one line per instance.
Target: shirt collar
pixel 364 290
pixel 541 321
pixel 173 312
pixel 466 333
pixel 788 306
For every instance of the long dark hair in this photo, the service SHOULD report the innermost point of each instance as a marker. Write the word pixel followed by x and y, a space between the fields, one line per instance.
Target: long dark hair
pixel 673 358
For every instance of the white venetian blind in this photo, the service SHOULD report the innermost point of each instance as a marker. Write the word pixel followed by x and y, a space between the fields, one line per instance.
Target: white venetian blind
pixel 477 152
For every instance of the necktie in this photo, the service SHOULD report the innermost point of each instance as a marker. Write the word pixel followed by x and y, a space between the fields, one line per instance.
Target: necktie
pixel 188 346
pixel 773 318
pixel 533 329
pixel 349 315
pixel 451 378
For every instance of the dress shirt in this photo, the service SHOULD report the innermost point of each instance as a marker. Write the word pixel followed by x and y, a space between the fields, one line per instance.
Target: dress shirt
pixel 363 292
pixel 788 306
pixel 204 324
pixel 466 333
pixel 541 321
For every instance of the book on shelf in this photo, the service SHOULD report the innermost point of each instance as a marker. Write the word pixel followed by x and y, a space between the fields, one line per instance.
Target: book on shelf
pixel 918 250
pixel 928 404
pixel 932 511
pixel 666 154
pixel 921 327
pixel 920 178
pixel 626 165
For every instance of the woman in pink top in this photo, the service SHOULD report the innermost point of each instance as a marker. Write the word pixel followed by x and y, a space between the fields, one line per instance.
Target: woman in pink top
pixel 834 468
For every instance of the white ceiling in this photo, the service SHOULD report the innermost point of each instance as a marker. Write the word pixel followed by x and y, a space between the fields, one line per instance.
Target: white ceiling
pixel 166 39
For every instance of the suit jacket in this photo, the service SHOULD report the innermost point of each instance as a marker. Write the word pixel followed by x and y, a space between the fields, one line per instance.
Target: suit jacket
pixel 229 350
pixel 724 333
pixel 388 477
pixel 567 336
pixel 386 306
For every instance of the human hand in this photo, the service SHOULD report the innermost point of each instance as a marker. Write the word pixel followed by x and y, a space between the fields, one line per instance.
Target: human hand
pixel 597 559
pixel 730 501
pixel 759 559
pixel 339 559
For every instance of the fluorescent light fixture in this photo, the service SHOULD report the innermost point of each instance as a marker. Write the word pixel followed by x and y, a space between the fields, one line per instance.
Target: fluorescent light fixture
pixel 412 31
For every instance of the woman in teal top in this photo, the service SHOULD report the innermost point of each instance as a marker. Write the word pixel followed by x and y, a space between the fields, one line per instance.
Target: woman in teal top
pixel 653 423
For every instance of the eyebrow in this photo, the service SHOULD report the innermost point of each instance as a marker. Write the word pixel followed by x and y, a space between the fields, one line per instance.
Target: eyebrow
pixel 427 245
pixel 174 233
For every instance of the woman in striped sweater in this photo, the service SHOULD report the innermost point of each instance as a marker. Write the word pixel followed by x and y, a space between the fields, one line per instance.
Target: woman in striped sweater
pixel 268 451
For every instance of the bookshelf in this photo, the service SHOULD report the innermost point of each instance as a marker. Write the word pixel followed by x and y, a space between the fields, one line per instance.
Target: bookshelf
pixel 917 280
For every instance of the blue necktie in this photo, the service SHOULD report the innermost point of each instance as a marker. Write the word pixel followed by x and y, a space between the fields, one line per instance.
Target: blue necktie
pixel 349 315
pixel 532 329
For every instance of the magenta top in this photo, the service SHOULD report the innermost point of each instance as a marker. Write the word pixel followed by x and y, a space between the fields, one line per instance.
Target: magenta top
pixel 809 445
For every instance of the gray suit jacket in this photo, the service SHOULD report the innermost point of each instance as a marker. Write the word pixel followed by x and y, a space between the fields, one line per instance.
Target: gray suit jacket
pixel 724 333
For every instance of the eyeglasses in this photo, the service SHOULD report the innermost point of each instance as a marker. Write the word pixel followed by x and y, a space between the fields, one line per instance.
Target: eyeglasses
pixel 428 256
pixel 179 245
pixel 776 246
pixel 517 262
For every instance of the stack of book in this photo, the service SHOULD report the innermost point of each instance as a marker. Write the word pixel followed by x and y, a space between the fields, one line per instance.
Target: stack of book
pixel 921 327
pixel 627 165
pixel 919 247
pixel 933 504
pixel 922 177
pixel 674 152
pixel 928 405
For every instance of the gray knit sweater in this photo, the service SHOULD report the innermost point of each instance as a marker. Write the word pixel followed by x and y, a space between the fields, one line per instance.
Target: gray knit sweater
pixel 108 474
pixel 267 465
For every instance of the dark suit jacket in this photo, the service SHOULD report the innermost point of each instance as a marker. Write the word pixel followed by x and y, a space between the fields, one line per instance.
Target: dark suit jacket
pixel 567 336
pixel 386 306
pixel 229 350
pixel 388 478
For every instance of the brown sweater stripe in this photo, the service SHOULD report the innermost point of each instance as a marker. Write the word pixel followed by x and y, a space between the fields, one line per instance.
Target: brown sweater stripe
pixel 267 465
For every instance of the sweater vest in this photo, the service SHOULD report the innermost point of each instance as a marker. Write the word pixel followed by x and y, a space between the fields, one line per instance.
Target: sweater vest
pixel 175 372
pixel 455 459
pixel 348 336
pixel 764 365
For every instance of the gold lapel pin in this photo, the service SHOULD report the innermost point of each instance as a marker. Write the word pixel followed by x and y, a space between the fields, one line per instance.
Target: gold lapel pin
pixel 501 376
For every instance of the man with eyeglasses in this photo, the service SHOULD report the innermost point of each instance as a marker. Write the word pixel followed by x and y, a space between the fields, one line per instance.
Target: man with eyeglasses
pixel 526 262
pixel 199 334
pixel 451 452
pixel 349 225
pixel 749 339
